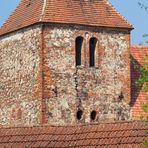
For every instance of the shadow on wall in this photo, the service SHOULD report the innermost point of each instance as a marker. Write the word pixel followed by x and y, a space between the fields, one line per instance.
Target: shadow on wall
pixel 135 75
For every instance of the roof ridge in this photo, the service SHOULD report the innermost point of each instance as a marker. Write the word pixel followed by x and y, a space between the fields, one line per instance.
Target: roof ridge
pixel 43 10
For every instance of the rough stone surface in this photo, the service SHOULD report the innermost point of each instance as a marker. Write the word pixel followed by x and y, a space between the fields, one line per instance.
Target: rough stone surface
pixel 68 88
pixel 40 83
pixel 20 96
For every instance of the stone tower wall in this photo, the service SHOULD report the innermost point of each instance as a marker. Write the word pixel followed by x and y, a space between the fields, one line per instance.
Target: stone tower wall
pixel 104 88
pixel 40 82
pixel 20 77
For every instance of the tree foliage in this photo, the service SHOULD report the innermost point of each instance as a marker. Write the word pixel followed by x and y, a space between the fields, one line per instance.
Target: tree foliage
pixel 143 5
pixel 143 82
pixel 144 71
pixel 143 79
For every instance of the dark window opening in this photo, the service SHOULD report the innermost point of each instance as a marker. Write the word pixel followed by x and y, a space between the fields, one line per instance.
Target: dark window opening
pixel 93 115
pixel 79 114
pixel 92 47
pixel 79 44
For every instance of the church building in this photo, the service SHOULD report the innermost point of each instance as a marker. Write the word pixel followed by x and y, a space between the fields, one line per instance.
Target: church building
pixel 65 66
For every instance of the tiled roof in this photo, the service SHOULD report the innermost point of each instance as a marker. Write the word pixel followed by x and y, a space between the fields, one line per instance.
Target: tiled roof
pixel 92 13
pixel 109 135
pixel 139 53
pixel 139 96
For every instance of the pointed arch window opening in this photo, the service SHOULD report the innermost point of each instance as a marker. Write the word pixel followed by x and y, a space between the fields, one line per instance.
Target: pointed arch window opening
pixel 92 51
pixel 79 46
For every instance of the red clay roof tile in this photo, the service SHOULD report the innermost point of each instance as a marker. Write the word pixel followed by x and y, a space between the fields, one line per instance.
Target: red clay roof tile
pixel 127 134
pixel 139 96
pixel 92 13
pixel 139 52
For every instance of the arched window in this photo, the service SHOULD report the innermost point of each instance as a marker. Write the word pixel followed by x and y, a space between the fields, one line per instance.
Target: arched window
pixel 79 114
pixel 92 51
pixel 93 115
pixel 79 44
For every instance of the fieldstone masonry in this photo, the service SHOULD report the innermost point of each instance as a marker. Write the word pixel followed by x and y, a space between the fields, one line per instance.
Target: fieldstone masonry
pixel 69 88
pixel 20 81
pixel 41 84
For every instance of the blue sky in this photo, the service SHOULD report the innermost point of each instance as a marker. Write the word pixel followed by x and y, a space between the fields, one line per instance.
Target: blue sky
pixel 128 8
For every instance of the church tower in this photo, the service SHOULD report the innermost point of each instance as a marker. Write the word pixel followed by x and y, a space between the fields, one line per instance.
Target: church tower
pixel 64 62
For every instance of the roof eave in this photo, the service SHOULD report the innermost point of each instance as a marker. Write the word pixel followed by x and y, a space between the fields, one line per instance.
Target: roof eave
pixel 89 25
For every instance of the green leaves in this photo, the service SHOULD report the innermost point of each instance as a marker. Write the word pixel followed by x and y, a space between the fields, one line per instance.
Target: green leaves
pixel 143 80
pixel 142 5
pixel 145 35
pixel 146 144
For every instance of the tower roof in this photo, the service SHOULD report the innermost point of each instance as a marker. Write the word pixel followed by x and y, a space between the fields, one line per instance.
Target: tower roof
pixel 97 13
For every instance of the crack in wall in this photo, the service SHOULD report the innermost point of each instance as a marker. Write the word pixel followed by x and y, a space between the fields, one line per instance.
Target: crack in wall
pixel 76 89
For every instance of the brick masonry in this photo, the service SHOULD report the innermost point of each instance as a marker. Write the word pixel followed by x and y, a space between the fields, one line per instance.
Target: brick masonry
pixel 40 83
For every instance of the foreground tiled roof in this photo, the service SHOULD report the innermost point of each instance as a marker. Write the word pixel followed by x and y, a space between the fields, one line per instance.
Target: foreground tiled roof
pixel 139 96
pixel 103 135
pixel 93 13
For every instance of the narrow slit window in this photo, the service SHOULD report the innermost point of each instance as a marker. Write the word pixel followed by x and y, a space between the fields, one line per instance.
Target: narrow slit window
pixel 79 114
pixel 93 115
pixel 92 48
pixel 79 44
